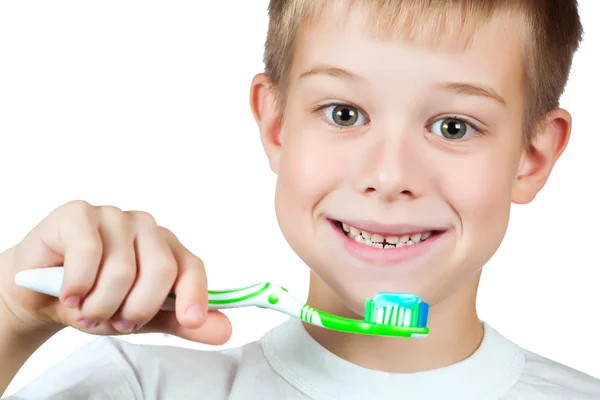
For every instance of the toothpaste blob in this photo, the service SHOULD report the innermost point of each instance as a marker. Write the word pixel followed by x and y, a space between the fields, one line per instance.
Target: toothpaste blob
pixel 396 309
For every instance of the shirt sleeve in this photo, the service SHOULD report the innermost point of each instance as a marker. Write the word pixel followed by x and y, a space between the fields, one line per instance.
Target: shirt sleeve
pixel 95 371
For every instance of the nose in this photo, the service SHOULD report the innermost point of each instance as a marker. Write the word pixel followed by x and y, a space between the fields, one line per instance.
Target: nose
pixel 392 168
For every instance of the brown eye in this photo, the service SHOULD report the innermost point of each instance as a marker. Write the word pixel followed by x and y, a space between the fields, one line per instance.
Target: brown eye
pixel 452 128
pixel 344 115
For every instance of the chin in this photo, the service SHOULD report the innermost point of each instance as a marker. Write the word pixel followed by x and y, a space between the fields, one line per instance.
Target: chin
pixel 343 290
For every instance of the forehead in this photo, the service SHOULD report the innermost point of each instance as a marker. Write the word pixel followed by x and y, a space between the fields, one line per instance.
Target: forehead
pixel 425 21
pixel 438 46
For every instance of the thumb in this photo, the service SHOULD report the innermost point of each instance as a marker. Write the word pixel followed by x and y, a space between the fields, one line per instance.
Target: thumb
pixel 216 329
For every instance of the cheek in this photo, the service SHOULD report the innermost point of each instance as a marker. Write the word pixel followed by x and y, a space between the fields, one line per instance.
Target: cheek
pixel 480 192
pixel 310 167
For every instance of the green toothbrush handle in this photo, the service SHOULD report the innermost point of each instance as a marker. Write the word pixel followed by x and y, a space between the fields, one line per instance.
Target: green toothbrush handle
pixel 264 295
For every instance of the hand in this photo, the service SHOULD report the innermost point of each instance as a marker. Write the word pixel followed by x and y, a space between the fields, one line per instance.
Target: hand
pixel 119 268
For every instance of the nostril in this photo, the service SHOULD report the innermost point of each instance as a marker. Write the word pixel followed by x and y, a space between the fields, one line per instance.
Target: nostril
pixel 402 193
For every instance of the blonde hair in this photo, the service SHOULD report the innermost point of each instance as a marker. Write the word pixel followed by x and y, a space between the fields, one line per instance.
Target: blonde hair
pixel 552 30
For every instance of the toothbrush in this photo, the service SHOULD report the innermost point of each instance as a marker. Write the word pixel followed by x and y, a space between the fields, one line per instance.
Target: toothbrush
pixel 387 314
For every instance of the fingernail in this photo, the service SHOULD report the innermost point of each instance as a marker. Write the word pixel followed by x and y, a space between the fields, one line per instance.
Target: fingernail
pixel 72 301
pixel 194 312
pixel 88 324
pixel 125 326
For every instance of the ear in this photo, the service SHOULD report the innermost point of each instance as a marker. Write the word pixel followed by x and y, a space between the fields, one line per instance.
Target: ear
pixel 263 105
pixel 537 162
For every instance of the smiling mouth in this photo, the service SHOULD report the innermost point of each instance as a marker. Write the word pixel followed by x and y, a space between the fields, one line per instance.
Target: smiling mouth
pixel 381 241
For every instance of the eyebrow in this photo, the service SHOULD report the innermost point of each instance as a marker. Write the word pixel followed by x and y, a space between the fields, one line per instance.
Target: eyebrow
pixel 462 88
pixel 334 72
pixel 473 89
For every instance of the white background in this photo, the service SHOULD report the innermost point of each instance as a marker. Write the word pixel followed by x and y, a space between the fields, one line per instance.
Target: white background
pixel 144 105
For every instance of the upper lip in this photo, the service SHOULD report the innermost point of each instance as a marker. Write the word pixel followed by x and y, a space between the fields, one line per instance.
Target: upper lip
pixel 391 229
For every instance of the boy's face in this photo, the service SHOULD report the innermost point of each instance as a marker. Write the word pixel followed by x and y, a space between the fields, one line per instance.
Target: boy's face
pixel 398 140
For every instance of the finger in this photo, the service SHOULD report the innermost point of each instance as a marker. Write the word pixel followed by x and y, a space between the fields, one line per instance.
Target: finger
pixel 72 231
pixel 156 274
pixel 118 267
pixel 216 330
pixel 190 287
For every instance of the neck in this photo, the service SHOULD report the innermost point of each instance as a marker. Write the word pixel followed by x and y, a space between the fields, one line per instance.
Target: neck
pixel 455 333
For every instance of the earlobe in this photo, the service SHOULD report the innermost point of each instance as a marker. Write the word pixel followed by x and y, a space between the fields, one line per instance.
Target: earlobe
pixel 266 115
pixel 545 150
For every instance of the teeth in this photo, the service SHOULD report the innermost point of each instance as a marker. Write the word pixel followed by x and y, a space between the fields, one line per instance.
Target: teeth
pixel 415 238
pixel 378 241
pixel 377 238
pixel 404 238
pixel 391 239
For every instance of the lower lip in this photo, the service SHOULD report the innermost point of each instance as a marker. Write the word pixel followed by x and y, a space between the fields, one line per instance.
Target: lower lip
pixel 387 256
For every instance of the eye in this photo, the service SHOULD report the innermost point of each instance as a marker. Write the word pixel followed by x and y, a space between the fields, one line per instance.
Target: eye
pixel 453 128
pixel 344 115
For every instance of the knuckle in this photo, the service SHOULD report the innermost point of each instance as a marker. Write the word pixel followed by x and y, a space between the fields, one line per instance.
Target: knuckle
pixel 115 218
pixel 195 262
pixel 78 207
pixel 166 268
pixel 143 217
pixel 167 233
pixel 88 247
pixel 112 213
pixel 124 275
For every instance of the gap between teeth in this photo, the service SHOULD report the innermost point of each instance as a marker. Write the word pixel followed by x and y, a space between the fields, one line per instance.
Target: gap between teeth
pixel 378 241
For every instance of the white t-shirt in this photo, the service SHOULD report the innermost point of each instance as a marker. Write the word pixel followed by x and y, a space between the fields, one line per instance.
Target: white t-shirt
pixel 287 363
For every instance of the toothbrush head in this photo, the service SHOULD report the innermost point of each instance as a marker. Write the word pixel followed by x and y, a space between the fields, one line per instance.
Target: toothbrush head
pixel 387 314
pixel 397 309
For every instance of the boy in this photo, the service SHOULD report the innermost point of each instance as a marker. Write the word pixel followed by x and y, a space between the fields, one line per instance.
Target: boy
pixel 400 131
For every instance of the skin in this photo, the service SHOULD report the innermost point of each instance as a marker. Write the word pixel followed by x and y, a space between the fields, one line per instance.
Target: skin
pixel 393 165
pixel 119 267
